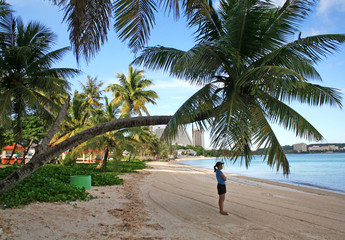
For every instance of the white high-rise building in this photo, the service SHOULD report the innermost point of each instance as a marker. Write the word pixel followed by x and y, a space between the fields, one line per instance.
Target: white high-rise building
pixel 198 138
pixel 182 137
pixel 300 147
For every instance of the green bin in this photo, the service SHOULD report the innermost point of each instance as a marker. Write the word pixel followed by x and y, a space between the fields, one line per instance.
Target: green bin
pixel 81 181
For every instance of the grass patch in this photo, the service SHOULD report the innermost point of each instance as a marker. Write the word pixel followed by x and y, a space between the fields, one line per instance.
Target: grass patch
pixel 51 183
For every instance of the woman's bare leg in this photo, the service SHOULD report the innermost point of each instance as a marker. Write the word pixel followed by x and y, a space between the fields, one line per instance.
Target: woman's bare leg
pixel 221 204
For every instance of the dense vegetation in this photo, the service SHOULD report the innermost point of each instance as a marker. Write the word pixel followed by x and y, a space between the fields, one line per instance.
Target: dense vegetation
pixel 51 183
pixel 249 72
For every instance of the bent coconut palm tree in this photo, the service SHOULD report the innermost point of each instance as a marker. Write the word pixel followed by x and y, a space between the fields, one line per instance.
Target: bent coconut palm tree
pixel 248 70
pixel 250 73
pixel 45 154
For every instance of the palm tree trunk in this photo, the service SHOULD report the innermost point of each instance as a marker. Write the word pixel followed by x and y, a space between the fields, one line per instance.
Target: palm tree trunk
pixel 27 150
pixel 105 159
pixel 14 150
pixel 44 156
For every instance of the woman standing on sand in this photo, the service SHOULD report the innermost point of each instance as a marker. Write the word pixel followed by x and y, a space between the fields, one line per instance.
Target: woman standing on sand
pixel 221 187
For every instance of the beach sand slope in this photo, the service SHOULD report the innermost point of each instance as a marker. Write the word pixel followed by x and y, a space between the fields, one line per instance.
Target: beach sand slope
pixel 173 201
pixel 184 201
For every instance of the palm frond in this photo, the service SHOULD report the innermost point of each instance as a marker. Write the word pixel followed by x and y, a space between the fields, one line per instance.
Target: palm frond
pixel 318 46
pixel 278 112
pixel 158 58
pixel 231 127
pixel 88 23
pixel 264 136
pixel 198 65
pixel 171 6
pixel 134 20
pixel 48 59
pixel 201 103
pixel 284 21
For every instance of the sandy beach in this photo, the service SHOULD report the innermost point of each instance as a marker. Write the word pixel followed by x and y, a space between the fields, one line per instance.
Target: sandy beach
pixel 172 201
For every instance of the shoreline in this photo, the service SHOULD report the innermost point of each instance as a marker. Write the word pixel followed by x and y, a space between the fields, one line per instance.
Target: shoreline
pixel 183 199
pixel 169 200
pixel 297 184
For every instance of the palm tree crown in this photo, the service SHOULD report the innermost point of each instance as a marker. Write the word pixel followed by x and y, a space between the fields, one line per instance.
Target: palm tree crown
pixel 27 80
pixel 91 92
pixel 131 93
pixel 249 72
pixel 89 21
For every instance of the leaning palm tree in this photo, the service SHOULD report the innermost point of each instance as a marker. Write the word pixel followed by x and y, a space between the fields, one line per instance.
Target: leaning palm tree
pixel 130 94
pixel 250 72
pixel 114 141
pixel 76 120
pixel 28 83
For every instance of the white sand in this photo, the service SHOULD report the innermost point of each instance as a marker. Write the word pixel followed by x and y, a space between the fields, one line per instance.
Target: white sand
pixel 173 201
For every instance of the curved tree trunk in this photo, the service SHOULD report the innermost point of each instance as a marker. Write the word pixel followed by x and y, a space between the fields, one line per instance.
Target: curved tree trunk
pixel 45 155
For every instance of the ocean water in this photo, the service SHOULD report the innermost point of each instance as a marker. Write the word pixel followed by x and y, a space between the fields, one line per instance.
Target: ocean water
pixel 322 170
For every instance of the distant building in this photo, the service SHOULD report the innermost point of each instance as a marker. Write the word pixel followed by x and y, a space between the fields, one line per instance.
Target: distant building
pixel 300 147
pixel 198 138
pixel 182 137
pixel 187 152
pixel 323 148
pixel 158 130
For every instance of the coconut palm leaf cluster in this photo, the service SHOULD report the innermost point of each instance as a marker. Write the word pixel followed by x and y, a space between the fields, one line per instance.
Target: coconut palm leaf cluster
pixel 251 62
pixel 89 21
pixel 89 108
pixel 131 93
pixel 28 82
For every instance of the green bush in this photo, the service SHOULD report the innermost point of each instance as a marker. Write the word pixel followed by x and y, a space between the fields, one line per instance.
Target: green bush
pixel 68 160
pixel 51 183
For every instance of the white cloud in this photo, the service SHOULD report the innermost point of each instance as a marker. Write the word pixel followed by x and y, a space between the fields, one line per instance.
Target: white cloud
pixel 279 2
pixel 327 5
pixel 173 83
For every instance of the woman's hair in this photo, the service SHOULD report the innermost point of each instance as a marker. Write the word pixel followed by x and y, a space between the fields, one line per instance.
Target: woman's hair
pixel 217 166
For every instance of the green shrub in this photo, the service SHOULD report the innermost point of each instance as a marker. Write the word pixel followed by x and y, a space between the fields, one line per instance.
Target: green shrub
pixel 68 160
pixel 51 183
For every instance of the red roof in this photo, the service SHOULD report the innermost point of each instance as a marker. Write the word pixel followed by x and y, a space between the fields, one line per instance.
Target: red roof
pixel 11 147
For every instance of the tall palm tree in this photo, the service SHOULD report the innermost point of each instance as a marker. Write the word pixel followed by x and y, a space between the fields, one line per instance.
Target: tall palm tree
pixel 250 72
pixel 28 83
pixel 89 20
pixel 91 93
pixel 130 94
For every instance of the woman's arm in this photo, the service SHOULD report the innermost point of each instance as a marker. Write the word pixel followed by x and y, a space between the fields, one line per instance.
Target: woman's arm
pixel 223 177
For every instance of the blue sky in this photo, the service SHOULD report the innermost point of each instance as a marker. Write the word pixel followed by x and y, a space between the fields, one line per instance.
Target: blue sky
pixel 327 17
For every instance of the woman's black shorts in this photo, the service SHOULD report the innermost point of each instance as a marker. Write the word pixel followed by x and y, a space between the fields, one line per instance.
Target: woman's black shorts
pixel 221 189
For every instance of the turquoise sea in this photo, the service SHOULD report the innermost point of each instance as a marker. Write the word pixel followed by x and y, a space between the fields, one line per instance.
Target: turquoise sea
pixel 322 170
